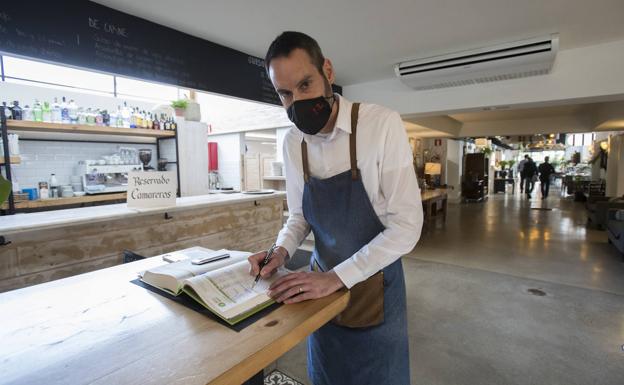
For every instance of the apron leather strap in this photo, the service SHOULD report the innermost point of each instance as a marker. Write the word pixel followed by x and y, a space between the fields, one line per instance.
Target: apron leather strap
pixel 304 158
pixel 352 142
pixel 352 147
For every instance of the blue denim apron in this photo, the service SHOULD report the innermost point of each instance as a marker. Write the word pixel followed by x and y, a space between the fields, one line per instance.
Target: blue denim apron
pixel 343 220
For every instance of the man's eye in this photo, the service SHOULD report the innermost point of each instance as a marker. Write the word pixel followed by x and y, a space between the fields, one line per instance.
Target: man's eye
pixel 304 85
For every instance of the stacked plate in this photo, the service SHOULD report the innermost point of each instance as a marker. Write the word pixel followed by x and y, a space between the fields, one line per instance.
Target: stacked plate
pixel 67 191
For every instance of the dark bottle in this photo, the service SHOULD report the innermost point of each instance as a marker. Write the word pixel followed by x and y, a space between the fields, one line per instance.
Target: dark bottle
pixel 105 118
pixel 155 123
pixel 174 125
pixel 7 111
pixel 167 125
pixel 16 111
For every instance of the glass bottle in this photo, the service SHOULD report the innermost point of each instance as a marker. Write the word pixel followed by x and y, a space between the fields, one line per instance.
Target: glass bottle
pixel 17 111
pixel 148 120
pixel 99 118
pixel 72 109
pixel 81 116
pixel 65 111
pixel 7 111
pixel 37 111
pixel 27 113
pixel 106 118
pixel 125 116
pixel 46 112
pixel 155 123
pixel 56 112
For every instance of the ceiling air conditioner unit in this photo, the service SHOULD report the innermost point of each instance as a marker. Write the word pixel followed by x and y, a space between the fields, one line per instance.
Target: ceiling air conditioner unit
pixel 513 60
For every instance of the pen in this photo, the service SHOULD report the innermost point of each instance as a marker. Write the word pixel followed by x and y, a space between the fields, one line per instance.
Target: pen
pixel 264 262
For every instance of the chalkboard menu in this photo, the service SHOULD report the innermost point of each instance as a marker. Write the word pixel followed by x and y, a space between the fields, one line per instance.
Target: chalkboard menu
pixel 88 35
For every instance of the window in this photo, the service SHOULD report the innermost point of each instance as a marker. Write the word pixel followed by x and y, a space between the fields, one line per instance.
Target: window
pixel 22 70
pixel 146 90
pixel 30 72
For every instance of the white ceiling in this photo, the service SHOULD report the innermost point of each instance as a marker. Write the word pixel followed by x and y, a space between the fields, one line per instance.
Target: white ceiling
pixel 586 117
pixel 525 113
pixel 365 38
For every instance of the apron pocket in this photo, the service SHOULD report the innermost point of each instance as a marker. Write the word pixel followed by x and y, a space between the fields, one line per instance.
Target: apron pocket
pixel 366 304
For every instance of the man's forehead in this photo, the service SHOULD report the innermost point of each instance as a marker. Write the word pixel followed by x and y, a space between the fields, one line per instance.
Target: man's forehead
pixel 292 68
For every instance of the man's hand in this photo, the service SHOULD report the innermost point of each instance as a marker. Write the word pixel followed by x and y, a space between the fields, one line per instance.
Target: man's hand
pixel 297 287
pixel 278 258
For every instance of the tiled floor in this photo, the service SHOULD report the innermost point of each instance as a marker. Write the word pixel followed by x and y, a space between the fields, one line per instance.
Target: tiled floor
pixel 472 318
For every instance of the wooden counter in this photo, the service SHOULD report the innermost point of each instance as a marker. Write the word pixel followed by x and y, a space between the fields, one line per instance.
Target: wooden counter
pixel 57 244
pixel 98 328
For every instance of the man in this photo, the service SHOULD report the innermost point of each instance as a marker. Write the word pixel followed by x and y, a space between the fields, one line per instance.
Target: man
pixel 528 172
pixel 545 171
pixel 520 168
pixel 351 181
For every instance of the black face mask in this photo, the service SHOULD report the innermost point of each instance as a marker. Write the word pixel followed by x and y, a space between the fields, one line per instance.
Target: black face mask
pixel 310 115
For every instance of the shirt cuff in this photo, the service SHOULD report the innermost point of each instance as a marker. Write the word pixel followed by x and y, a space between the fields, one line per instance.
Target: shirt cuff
pixel 348 273
pixel 291 247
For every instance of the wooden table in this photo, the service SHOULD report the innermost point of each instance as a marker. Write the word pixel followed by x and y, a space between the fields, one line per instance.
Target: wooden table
pixel 98 328
pixel 430 199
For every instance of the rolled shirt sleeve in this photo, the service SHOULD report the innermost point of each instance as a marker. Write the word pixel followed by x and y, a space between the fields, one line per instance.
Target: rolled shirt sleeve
pixel 404 216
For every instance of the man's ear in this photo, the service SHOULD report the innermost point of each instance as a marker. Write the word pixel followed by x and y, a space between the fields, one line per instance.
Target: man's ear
pixel 328 69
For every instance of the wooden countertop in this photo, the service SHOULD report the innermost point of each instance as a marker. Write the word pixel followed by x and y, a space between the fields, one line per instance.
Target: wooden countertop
pixel 98 328
pixel 11 224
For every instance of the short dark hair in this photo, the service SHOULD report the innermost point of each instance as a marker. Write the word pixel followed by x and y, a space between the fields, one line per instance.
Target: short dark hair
pixel 288 41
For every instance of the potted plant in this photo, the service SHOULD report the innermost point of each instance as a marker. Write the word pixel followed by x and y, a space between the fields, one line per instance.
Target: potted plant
pixel 487 151
pixel 503 164
pixel 179 106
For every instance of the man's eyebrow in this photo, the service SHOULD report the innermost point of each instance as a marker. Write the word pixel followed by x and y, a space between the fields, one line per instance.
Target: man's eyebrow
pixel 307 78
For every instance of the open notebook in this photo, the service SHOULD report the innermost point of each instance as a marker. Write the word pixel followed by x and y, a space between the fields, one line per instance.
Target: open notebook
pixel 223 287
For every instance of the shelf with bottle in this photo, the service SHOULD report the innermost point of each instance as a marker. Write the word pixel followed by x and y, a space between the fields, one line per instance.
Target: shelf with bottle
pixel 15 159
pixel 24 125
pixel 58 202
pixel 68 117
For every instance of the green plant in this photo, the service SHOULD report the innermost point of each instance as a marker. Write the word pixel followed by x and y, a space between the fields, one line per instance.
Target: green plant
pixel 486 150
pixel 180 103
pixel 510 163
pixel 503 164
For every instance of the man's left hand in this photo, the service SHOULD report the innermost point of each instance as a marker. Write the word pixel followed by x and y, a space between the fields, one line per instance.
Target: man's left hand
pixel 297 287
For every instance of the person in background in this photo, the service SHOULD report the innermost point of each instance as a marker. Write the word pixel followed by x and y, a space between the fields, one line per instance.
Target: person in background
pixel 529 171
pixel 520 167
pixel 545 171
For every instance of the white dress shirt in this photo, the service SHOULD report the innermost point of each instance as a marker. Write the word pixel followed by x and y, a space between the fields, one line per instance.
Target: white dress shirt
pixel 385 160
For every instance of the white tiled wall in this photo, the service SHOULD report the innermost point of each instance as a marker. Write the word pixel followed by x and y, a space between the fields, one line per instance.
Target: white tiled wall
pixel 40 159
